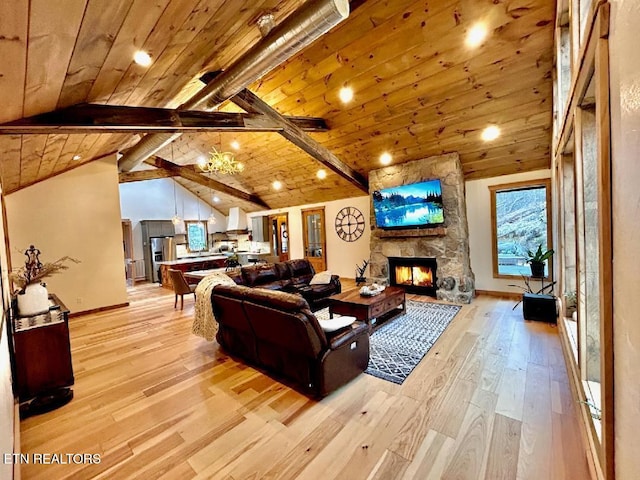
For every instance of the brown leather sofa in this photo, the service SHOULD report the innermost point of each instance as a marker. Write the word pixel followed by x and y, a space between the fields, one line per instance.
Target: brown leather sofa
pixel 278 332
pixel 292 276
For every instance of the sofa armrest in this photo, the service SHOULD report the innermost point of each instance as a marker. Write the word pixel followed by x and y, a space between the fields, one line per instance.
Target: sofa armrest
pixel 347 335
pixel 335 280
pixel 347 357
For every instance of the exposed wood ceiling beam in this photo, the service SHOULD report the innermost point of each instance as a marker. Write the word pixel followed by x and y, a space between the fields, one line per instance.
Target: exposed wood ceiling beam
pixel 189 173
pixel 142 175
pixel 92 118
pixel 301 28
pixel 252 104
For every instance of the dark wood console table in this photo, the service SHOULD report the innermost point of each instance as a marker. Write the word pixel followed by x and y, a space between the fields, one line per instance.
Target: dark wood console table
pixel 42 359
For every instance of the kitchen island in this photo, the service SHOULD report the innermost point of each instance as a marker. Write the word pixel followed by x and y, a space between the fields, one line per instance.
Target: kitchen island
pixel 189 264
pixel 208 262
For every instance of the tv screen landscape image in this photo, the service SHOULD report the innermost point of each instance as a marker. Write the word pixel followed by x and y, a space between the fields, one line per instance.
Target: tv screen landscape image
pixel 409 206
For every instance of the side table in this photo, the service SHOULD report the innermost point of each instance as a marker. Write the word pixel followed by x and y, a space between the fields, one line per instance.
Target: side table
pixel 42 359
pixel 539 305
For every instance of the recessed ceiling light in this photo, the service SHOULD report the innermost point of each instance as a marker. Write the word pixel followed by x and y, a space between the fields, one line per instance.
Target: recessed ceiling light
pixel 277 185
pixel 490 133
pixel 386 158
pixel 142 58
pixel 235 145
pixel 322 174
pixel 201 161
pixel 476 35
pixel 77 157
pixel 216 199
pixel 346 94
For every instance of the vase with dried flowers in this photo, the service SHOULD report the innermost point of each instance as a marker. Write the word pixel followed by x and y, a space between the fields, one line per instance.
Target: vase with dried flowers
pixel 31 292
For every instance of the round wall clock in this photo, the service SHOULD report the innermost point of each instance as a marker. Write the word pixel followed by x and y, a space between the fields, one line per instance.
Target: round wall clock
pixel 349 224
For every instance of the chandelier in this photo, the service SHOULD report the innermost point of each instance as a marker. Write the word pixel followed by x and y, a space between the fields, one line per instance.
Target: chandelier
pixel 220 162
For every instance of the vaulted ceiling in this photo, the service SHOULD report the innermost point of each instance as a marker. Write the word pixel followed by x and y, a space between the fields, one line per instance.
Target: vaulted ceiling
pixel 419 90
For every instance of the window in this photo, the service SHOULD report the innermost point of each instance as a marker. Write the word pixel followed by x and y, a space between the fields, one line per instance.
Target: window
pixel 196 236
pixel 521 220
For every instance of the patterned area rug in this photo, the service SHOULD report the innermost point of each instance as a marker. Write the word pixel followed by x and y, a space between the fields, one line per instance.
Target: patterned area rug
pixel 399 345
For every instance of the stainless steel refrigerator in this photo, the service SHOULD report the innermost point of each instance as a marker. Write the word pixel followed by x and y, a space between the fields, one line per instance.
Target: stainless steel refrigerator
pixel 162 249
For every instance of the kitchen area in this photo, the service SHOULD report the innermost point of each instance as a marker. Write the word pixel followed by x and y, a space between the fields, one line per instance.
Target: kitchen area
pixel 191 246
pixel 166 226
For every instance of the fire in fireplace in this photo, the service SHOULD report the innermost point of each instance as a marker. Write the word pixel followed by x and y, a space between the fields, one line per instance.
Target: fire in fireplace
pixel 414 274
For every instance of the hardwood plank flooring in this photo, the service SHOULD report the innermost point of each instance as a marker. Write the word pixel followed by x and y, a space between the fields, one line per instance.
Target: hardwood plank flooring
pixel 490 400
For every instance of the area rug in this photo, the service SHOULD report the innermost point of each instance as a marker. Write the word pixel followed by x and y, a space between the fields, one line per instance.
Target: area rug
pixel 399 344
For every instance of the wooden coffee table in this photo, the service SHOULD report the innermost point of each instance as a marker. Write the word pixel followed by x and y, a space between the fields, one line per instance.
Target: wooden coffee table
pixel 372 310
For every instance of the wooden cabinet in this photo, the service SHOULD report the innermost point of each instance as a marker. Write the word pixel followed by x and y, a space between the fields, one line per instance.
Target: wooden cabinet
pixel 157 228
pixel 42 355
pixel 260 229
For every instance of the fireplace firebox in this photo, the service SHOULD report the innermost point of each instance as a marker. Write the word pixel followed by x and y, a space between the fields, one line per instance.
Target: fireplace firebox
pixel 414 274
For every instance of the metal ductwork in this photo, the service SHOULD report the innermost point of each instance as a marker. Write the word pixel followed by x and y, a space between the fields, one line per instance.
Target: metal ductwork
pixel 147 146
pixel 301 28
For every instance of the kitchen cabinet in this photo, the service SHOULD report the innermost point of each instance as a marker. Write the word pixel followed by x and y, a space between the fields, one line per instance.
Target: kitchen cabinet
pixel 260 229
pixel 157 228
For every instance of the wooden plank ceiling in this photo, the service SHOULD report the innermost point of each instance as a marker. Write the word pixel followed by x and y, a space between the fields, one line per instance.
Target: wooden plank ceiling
pixel 419 90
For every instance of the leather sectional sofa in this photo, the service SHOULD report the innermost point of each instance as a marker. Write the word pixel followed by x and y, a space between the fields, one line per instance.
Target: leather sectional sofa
pixel 292 276
pixel 278 332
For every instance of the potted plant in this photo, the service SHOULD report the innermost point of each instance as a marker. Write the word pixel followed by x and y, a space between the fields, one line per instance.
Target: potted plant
pixel 536 261
pixel 570 302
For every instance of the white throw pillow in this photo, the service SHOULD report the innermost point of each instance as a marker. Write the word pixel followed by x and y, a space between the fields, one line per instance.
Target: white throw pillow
pixel 336 323
pixel 321 278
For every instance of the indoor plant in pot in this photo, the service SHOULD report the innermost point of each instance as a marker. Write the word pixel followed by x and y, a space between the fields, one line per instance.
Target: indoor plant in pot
pixel 536 261
pixel 570 302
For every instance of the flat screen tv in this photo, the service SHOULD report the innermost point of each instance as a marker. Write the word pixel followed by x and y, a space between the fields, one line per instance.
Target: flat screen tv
pixel 417 205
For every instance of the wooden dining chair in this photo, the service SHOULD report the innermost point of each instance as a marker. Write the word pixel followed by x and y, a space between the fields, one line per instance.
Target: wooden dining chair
pixel 180 287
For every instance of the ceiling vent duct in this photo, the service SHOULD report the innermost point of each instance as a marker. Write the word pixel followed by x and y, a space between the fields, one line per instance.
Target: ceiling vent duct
pixel 297 31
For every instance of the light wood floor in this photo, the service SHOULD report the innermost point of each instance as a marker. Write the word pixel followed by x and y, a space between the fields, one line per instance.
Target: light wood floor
pixel 491 400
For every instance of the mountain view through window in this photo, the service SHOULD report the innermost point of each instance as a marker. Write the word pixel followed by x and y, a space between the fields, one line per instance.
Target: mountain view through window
pixel 521 224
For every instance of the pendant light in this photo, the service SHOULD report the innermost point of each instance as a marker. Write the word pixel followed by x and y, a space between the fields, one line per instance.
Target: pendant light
pixel 212 218
pixel 176 220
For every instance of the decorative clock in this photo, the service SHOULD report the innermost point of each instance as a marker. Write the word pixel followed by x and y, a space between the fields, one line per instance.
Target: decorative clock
pixel 349 224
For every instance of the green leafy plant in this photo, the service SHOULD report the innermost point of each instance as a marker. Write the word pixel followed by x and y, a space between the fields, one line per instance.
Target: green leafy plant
pixel 539 256
pixel 570 302
pixel 571 298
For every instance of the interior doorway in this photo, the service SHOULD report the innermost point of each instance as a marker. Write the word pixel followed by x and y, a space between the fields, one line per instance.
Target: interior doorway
pixel 279 236
pixel 127 246
pixel 314 237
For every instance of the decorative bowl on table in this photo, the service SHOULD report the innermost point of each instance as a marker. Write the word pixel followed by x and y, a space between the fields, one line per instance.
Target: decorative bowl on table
pixel 371 290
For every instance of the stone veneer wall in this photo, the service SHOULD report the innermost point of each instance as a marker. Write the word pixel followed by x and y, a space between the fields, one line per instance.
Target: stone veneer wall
pixel 449 245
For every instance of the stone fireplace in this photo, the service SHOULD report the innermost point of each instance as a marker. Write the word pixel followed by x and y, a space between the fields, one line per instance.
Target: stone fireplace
pixel 448 244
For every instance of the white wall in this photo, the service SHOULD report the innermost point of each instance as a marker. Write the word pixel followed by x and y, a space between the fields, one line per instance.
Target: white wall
pixel 625 135
pixel 342 256
pixel 479 220
pixel 154 200
pixel 76 213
